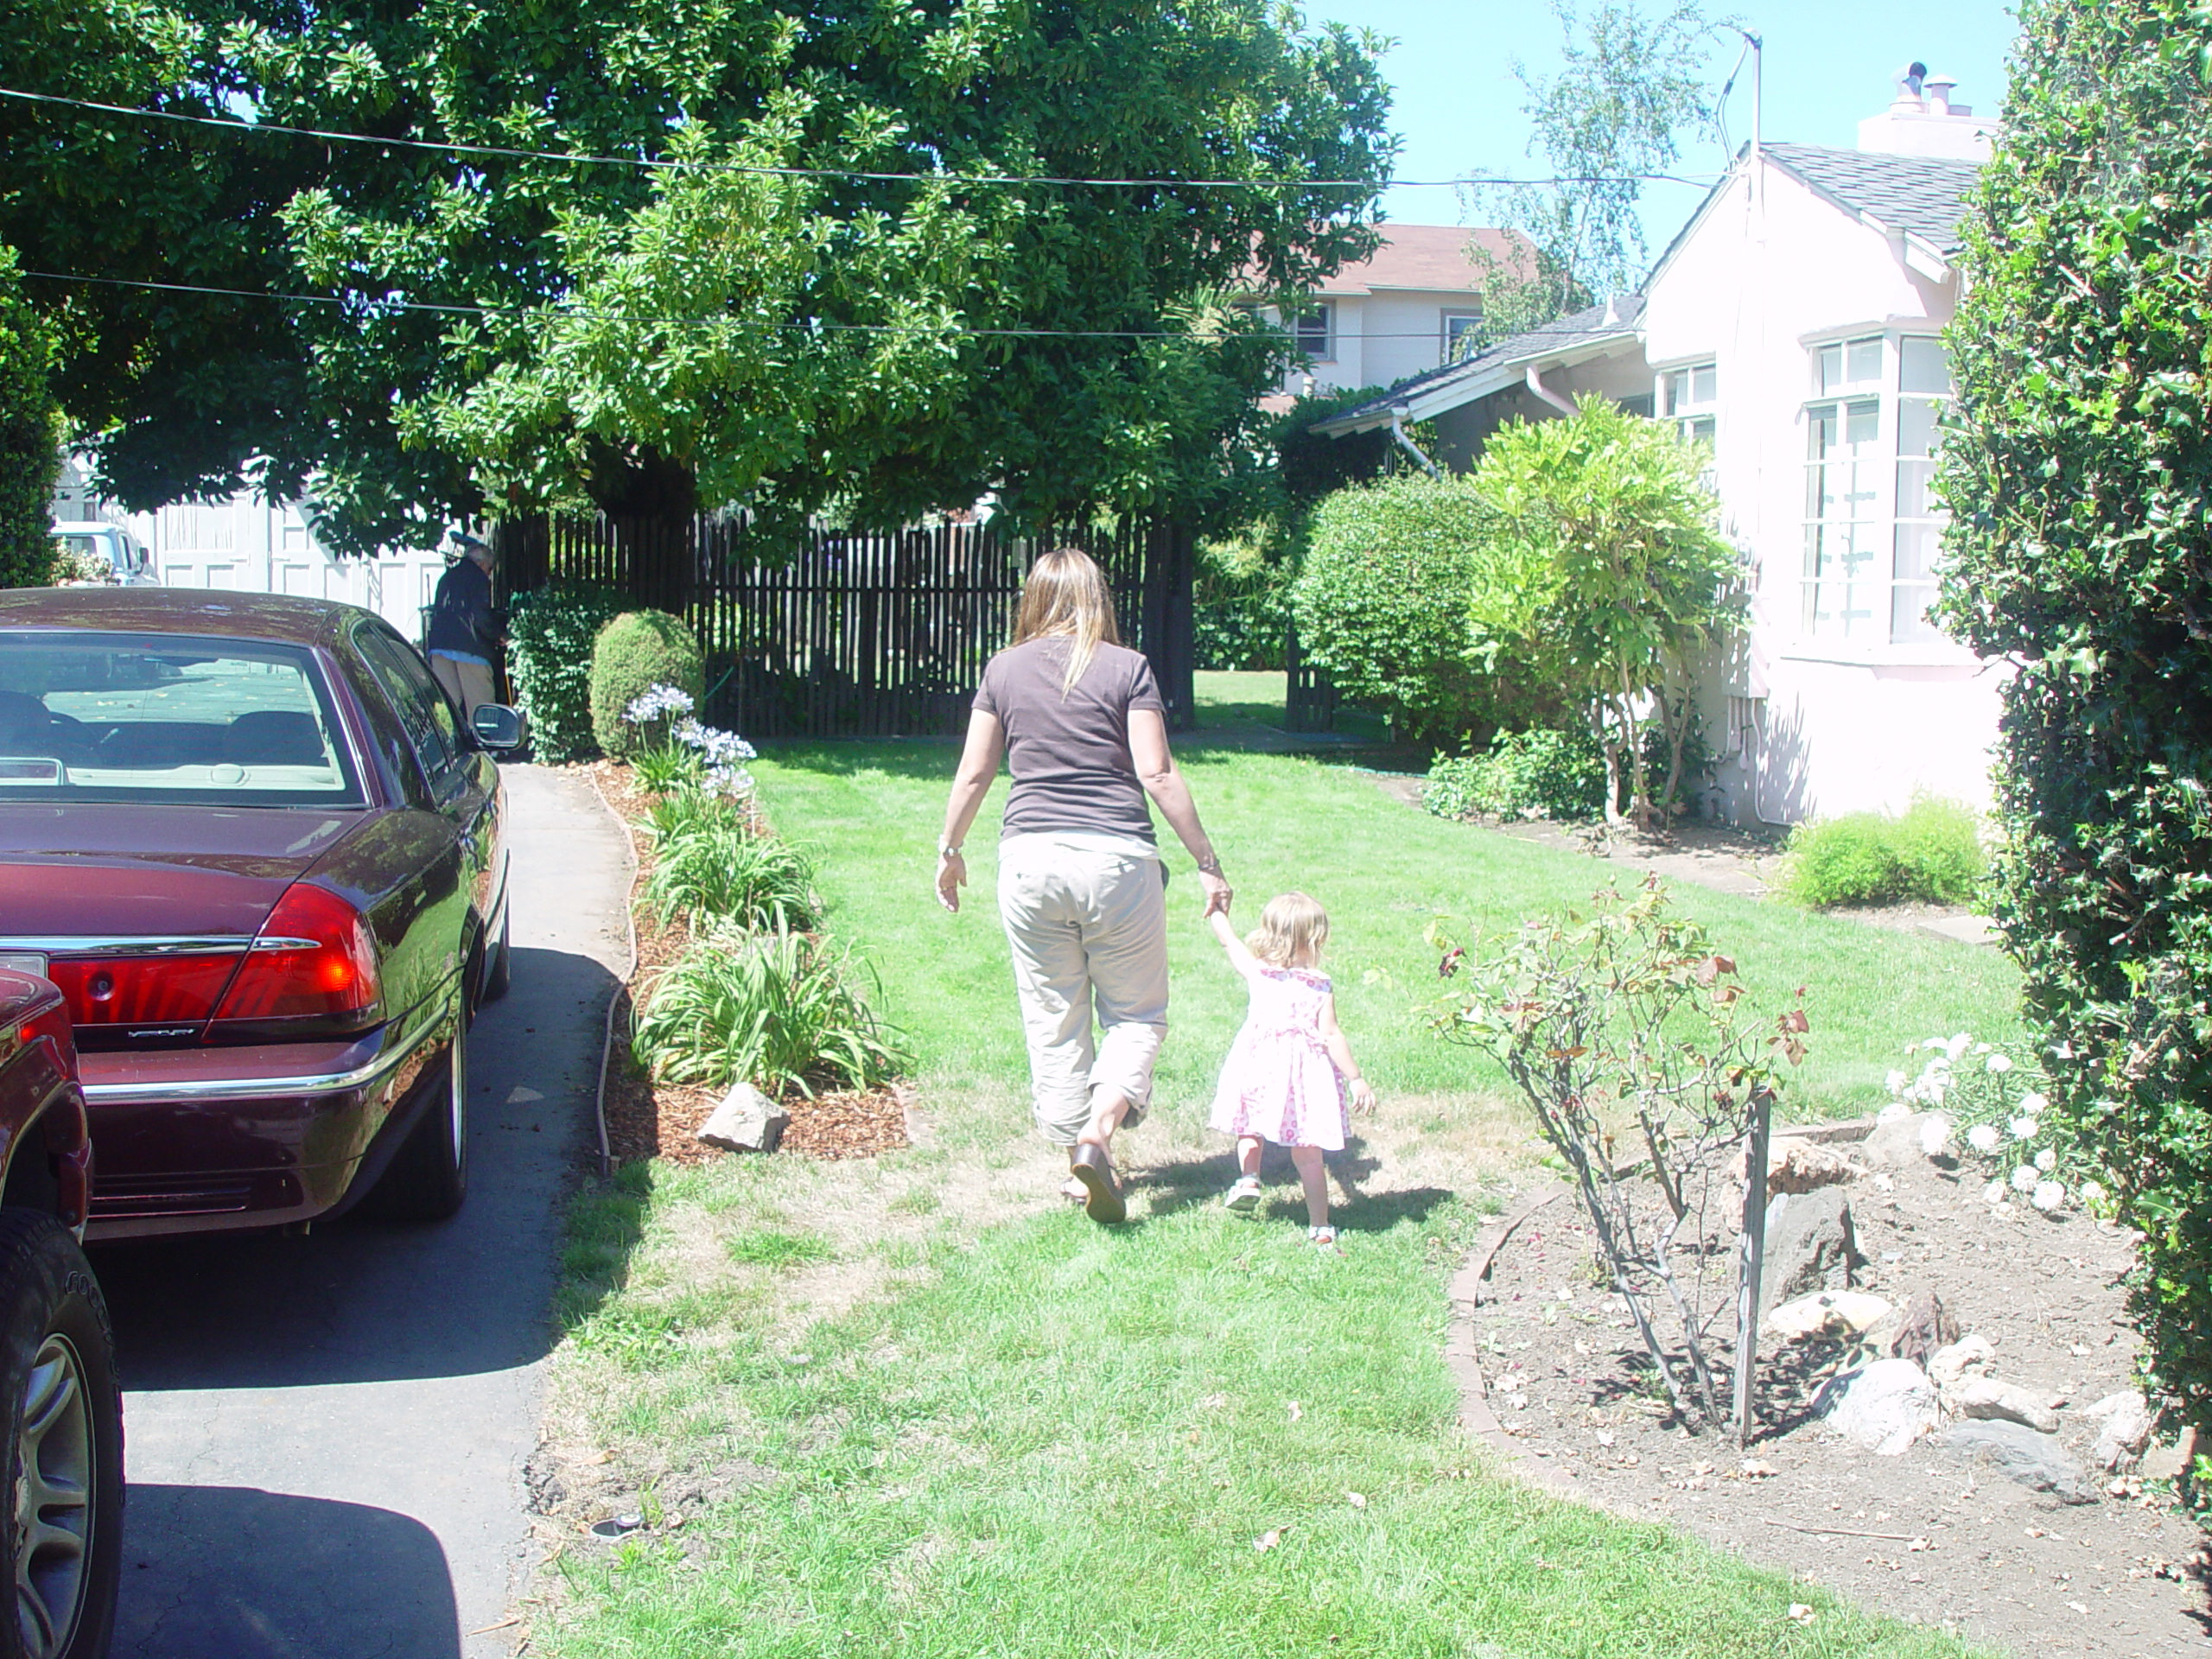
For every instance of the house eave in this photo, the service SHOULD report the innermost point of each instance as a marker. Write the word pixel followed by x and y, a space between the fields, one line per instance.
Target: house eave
pixel 1509 371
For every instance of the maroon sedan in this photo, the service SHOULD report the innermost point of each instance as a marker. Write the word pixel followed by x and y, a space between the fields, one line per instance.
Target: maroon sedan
pixel 252 842
pixel 61 1408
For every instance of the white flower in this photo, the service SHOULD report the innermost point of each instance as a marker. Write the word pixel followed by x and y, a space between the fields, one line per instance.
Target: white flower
pixel 2033 1103
pixel 1958 1045
pixel 2023 1129
pixel 2024 1178
pixel 1983 1137
pixel 2091 1192
pixel 1981 1048
pixel 1999 1063
pixel 1993 1193
pixel 2046 1160
pixel 656 703
pixel 1896 1081
pixel 2048 1195
pixel 1935 1135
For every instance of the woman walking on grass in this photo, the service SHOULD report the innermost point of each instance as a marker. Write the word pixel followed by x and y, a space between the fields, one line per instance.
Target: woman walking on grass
pixel 1082 889
pixel 1290 1067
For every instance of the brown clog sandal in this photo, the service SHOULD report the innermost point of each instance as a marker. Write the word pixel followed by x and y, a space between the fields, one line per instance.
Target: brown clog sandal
pixel 1090 1165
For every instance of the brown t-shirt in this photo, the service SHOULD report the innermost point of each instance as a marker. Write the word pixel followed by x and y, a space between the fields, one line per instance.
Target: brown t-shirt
pixel 1069 754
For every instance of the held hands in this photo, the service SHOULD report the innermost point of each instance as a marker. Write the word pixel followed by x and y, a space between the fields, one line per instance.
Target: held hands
pixel 1218 894
pixel 952 876
pixel 1362 1096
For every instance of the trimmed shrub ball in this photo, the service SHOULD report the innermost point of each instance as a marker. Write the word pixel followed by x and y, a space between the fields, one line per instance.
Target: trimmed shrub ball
pixel 634 652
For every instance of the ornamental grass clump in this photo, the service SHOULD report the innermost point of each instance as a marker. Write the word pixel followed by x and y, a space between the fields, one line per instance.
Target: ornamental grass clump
pixel 717 869
pixel 776 1008
pixel 1933 853
pixel 1631 1041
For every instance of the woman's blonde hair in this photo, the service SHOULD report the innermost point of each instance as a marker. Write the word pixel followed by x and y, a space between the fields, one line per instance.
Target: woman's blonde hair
pixel 1291 923
pixel 1066 593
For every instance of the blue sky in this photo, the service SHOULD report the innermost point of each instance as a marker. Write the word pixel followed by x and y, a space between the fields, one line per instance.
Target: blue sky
pixel 1457 105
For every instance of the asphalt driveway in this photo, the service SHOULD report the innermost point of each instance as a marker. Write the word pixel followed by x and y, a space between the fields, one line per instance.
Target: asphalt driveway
pixel 327 1433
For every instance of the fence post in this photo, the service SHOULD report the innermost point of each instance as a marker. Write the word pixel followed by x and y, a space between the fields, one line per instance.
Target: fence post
pixel 1754 1255
pixel 1179 644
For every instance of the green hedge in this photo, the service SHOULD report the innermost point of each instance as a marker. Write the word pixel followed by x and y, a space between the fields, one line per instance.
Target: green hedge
pixel 2079 475
pixel 634 652
pixel 1537 774
pixel 1933 853
pixel 549 635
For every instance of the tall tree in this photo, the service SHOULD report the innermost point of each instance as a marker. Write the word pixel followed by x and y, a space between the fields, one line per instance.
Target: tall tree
pixel 30 430
pixel 1630 85
pixel 824 294
pixel 2081 482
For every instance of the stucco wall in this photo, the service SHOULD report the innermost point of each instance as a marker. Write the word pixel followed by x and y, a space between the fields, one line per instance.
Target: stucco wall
pixel 1827 727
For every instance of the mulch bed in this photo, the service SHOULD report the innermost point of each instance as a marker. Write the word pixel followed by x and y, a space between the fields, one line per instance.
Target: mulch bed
pixel 1923 1536
pixel 647 1118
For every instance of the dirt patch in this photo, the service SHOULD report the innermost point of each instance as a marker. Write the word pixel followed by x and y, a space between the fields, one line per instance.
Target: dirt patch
pixel 1923 1535
pixel 649 1118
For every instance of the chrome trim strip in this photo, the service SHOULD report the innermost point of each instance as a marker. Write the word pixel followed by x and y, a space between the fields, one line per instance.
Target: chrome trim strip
pixel 329 1083
pixel 64 946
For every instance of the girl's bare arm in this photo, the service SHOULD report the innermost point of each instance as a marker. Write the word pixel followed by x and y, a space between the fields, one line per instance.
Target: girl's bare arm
pixel 1240 958
pixel 1333 1035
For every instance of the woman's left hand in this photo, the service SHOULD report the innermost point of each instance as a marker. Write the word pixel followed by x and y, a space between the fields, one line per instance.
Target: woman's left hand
pixel 952 876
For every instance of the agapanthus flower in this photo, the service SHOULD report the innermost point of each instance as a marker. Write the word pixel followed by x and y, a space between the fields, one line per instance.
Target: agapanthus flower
pixel 2048 1195
pixel 2024 1178
pixel 2092 1193
pixel 656 702
pixel 2047 1160
pixel 1983 1137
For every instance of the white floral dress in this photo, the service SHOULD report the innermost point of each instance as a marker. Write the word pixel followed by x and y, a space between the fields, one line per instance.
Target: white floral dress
pixel 1279 1082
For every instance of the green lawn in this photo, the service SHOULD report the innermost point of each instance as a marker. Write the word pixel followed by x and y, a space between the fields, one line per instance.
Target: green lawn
pixel 1059 1439
pixel 873 811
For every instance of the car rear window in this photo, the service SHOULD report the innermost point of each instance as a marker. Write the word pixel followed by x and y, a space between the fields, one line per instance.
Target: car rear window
pixel 167 717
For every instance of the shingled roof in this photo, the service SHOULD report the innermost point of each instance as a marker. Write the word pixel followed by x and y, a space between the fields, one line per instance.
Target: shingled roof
pixel 1919 196
pixel 1497 364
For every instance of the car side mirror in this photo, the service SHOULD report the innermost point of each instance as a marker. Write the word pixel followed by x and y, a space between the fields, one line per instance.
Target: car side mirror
pixel 497 726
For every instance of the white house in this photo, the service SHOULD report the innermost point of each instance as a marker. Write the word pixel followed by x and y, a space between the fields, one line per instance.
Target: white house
pixel 1398 312
pixel 252 545
pixel 1794 323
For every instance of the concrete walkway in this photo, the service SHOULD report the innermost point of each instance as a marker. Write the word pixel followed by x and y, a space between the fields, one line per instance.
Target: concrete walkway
pixel 327 1434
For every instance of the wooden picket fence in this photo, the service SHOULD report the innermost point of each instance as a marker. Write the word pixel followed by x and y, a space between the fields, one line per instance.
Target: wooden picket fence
pixel 851 633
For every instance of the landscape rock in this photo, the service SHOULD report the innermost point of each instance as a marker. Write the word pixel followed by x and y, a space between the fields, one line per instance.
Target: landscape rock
pixel 1826 1313
pixel 2038 1462
pixel 1985 1399
pixel 2123 1422
pixel 1901 1139
pixel 1883 1406
pixel 1928 1329
pixel 1810 1246
pixel 1969 1353
pixel 1794 1165
pixel 2171 1460
pixel 747 1120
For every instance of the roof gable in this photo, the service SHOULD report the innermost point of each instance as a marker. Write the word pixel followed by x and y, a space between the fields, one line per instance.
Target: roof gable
pixel 1919 196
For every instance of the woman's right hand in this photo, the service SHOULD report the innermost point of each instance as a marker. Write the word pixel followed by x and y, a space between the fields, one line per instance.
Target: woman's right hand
pixel 1218 894
pixel 952 876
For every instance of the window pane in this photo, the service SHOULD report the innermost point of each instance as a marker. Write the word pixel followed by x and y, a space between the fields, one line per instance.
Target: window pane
pixel 1704 383
pixel 1862 425
pixel 1915 489
pixel 1918 546
pixel 1916 419
pixel 1699 430
pixel 422 707
pixel 1909 623
pixel 1830 359
pixel 1925 365
pixel 1863 363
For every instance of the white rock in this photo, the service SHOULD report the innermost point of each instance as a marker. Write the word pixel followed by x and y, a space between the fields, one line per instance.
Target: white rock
pixel 1834 1312
pixel 1969 1353
pixel 2123 1422
pixel 1902 1141
pixel 747 1120
pixel 1883 1406
pixel 1984 1397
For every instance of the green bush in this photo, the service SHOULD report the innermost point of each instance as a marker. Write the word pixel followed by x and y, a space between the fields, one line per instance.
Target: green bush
pixel 1537 774
pixel 1932 853
pixel 716 868
pixel 634 653
pixel 549 635
pixel 1240 604
pixel 2076 477
pixel 1382 603
pixel 30 436
pixel 773 1008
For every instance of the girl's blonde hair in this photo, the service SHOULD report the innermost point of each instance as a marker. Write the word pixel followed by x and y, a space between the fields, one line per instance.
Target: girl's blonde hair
pixel 1066 593
pixel 1291 923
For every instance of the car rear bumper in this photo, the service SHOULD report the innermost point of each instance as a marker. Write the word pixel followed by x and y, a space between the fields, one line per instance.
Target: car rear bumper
pixel 214 1140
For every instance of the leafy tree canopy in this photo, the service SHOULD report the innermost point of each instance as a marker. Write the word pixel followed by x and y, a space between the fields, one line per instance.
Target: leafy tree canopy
pixel 732 328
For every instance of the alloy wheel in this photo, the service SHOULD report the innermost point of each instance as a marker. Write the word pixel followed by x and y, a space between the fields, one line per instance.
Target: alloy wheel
pixel 53 1499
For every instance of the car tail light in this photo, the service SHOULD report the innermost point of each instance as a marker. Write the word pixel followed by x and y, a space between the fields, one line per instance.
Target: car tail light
pixel 159 990
pixel 54 1023
pixel 313 956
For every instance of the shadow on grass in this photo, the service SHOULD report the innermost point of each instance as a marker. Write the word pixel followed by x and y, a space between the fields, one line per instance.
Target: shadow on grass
pixel 1186 1182
pixel 606 1222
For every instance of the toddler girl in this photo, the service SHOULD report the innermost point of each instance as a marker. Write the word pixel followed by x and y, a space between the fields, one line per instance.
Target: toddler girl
pixel 1287 1071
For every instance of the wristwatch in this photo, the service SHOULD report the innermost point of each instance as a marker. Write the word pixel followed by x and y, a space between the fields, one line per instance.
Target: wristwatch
pixel 945 849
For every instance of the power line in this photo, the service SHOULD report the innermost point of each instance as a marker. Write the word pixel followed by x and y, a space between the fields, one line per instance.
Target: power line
pixel 573 158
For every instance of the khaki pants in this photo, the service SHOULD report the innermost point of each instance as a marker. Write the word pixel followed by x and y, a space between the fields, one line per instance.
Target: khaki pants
pixel 467 684
pixel 1088 927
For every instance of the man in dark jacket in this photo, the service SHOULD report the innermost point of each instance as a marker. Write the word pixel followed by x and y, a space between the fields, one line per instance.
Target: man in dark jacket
pixel 465 630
